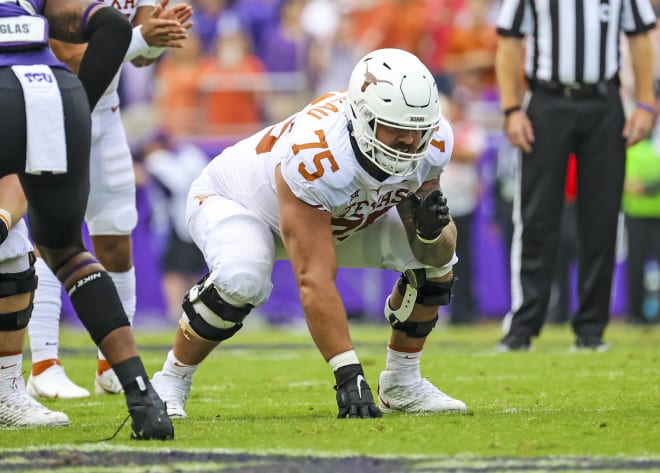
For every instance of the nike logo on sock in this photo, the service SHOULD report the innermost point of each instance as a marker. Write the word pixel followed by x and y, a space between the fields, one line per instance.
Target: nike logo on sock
pixel 360 378
pixel 4 367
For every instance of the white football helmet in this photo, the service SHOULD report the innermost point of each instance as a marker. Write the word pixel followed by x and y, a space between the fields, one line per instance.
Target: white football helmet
pixel 392 87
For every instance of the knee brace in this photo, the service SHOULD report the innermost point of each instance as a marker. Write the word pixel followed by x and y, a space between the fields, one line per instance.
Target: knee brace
pixel 416 289
pixel 14 284
pixel 15 320
pixel 208 316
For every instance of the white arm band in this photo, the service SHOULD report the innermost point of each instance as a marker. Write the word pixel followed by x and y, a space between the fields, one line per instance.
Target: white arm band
pixel 139 47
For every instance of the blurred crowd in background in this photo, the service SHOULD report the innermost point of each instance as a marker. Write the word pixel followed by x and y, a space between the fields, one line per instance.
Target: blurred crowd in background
pixel 249 63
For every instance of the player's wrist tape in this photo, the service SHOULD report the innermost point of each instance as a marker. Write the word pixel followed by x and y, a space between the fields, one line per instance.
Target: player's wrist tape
pixel 140 47
pixel 430 240
pixel 343 359
pixel 645 107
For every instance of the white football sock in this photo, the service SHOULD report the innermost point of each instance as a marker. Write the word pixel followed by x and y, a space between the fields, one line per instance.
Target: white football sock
pixel 405 364
pixel 44 326
pixel 178 368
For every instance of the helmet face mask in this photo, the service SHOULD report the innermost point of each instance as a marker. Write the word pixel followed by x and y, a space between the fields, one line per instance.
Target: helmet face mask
pixel 391 87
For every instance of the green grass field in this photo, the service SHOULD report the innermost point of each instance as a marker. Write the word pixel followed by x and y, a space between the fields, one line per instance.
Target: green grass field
pixel 268 392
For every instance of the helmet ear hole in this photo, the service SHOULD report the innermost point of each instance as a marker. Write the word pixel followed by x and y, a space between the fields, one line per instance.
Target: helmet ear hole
pixel 392 87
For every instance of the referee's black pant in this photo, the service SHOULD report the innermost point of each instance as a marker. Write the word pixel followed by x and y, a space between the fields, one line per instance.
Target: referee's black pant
pixel 591 127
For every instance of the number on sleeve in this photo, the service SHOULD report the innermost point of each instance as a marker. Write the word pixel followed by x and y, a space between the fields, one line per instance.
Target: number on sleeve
pixel 318 157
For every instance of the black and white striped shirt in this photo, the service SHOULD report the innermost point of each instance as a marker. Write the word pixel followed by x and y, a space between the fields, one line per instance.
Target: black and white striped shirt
pixel 573 41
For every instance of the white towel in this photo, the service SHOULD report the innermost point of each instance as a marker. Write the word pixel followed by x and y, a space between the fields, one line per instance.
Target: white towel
pixel 46 141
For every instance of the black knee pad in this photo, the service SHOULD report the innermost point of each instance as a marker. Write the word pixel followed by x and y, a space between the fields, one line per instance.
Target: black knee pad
pixel 15 320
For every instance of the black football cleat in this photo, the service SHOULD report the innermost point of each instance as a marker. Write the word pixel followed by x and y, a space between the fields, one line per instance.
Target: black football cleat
pixel 149 416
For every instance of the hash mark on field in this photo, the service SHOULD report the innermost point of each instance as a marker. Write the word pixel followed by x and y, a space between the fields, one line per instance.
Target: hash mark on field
pixel 116 460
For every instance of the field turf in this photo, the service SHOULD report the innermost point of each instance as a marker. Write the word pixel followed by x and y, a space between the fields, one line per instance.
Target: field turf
pixel 263 402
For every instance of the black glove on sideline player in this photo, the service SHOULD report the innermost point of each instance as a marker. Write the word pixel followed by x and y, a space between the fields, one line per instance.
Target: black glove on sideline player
pixel 354 396
pixel 430 214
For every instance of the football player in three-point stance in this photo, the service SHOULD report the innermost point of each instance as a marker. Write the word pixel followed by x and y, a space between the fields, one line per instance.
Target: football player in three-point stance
pixel 353 179
pixel 111 212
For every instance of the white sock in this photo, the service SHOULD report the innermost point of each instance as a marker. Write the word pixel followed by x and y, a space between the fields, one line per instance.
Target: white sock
pixel 125 284
pixel 11 369
pixel 44 326
pixel 178 368
pixel 405 364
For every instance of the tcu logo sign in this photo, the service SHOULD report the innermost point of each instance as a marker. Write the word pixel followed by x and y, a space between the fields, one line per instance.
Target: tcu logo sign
pixel 39 77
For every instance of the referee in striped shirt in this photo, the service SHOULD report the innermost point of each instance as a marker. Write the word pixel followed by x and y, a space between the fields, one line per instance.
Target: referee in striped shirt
pixel 568 100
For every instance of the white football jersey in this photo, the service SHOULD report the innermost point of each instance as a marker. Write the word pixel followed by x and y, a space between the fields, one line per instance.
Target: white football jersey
pixel 128 8
pixel 320 166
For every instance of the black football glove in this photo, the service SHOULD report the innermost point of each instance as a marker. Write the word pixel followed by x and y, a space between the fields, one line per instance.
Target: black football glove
pixel 354 394
pixel 430 214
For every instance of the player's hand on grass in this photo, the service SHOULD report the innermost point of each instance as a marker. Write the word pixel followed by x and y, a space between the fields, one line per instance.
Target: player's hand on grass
pixel 354 396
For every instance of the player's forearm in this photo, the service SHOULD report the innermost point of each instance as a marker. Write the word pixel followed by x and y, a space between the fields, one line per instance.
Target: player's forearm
pixel 326 319
pixel 437 253
pixel 641 53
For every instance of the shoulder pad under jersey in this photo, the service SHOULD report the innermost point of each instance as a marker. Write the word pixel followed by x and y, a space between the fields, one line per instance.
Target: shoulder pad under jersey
pixel 442 145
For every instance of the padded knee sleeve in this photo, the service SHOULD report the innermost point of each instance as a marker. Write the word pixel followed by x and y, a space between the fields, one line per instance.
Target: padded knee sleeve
pixel 208 315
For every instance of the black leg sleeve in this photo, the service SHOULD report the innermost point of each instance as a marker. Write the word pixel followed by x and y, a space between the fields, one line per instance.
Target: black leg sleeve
pixel 95 299
pixel 108 35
